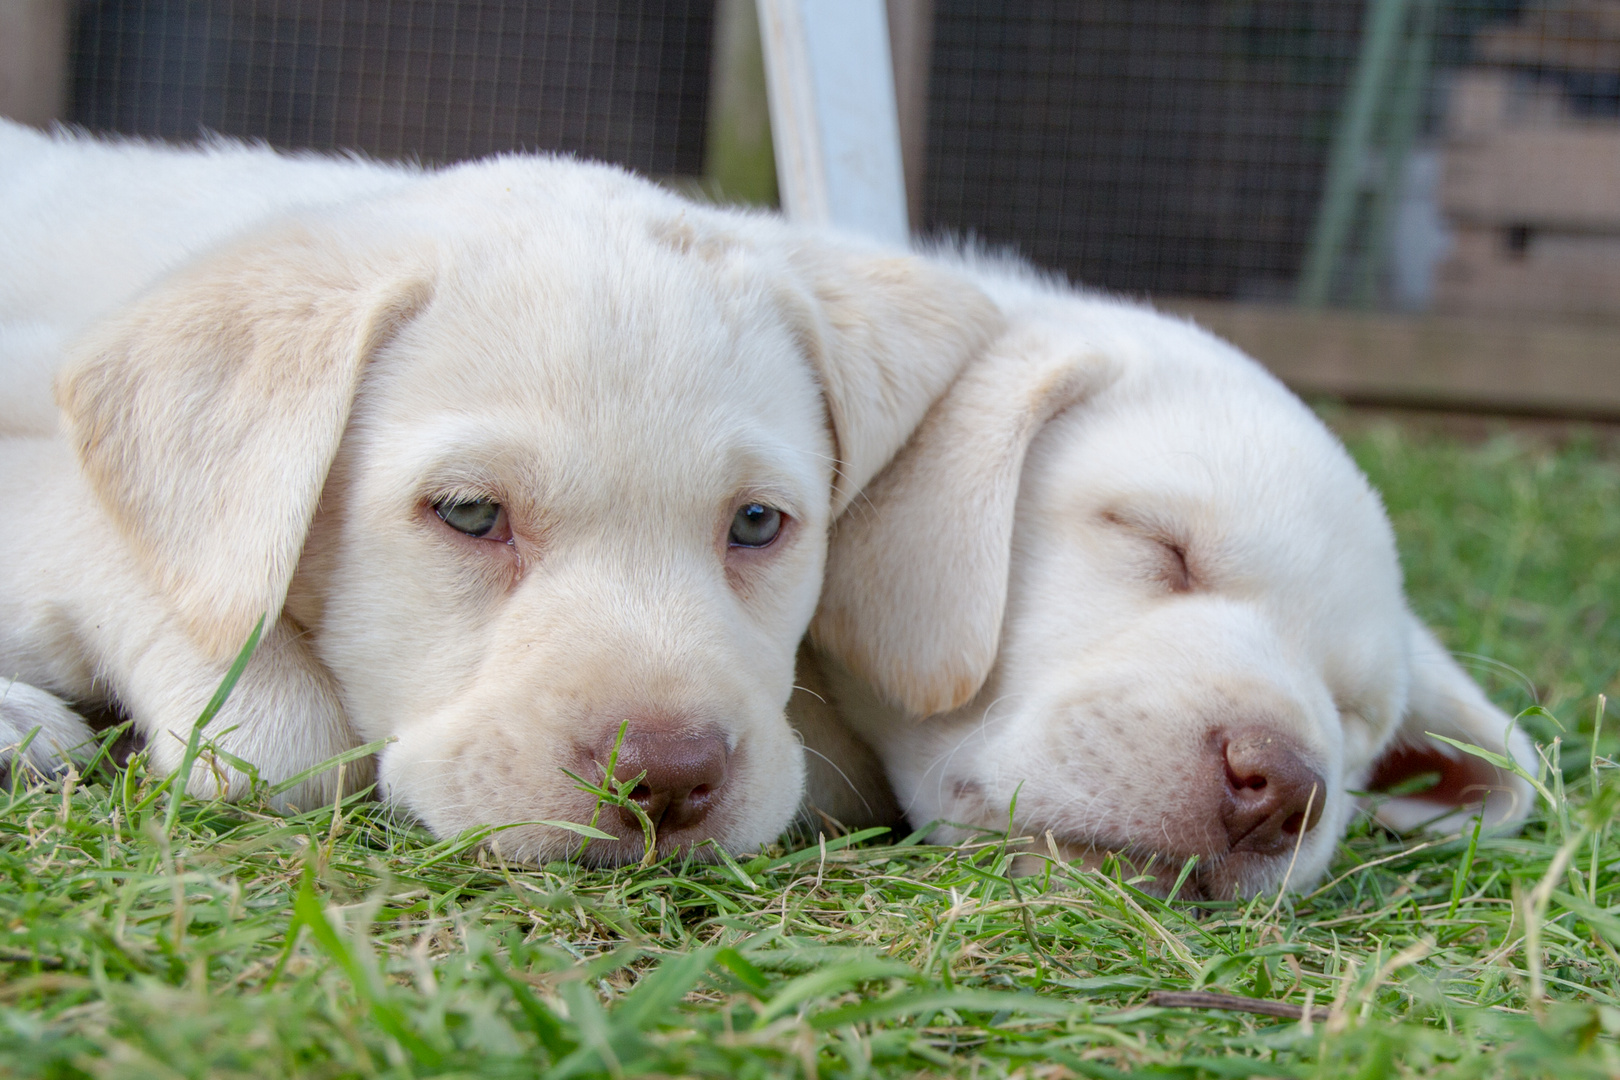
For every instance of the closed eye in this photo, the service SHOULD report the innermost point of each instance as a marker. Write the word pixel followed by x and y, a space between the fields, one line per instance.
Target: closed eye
pixel 1171 567
pixel 1176 574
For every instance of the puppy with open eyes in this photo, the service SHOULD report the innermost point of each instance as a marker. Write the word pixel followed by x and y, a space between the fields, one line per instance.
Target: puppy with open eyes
pixel 508 454
pixel 1121 573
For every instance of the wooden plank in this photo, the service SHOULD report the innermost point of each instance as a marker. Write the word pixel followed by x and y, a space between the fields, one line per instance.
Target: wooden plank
pixel 1582 36
pixel 1512 366
pixel 739 160
pixel 1497 271
pixel 1565 177
pixel 33 60
pixel 911 41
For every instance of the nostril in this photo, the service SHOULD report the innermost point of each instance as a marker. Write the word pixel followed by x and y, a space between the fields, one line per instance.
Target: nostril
pixel 1274 795
pixel 1252 782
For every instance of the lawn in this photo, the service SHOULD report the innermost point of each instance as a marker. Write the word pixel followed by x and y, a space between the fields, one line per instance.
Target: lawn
pixel 143 936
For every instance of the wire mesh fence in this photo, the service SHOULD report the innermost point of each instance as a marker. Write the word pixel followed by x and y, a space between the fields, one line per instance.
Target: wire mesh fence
pixel 1144 145
pixel 438 80
pixel 1407 153
pixel 1415 154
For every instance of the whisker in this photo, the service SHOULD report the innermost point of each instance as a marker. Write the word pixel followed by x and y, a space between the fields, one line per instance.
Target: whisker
pixel 811 692
pixel 843 774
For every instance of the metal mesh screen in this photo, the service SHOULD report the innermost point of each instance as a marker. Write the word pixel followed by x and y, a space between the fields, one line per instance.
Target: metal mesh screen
pixel 435 79
pixel 1146 145
pixel 1453 156
pixel 1328 150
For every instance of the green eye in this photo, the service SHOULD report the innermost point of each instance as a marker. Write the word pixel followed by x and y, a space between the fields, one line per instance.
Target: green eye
pixel 755 525
pixel 477 518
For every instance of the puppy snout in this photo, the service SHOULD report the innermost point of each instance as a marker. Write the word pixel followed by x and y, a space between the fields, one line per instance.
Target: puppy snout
pixel 1273 795
pixel 682 774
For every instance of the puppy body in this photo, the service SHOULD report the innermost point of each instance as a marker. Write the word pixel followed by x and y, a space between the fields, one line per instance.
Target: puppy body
pixel 1123 576
pixel 289 425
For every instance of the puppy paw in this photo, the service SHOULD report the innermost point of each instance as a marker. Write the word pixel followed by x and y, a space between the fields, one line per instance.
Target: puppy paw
pixel 59 735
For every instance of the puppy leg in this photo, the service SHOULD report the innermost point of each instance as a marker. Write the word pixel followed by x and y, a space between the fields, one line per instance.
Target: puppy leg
pixel 283 716
pixel 80 618
pixel 60 735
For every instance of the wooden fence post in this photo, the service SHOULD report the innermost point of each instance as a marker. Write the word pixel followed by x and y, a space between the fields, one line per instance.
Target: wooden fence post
pixel 33 60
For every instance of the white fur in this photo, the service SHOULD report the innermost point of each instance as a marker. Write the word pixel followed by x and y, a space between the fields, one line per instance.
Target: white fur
pixel 95 221
pixel 288 361
pixel 1003 616
pixel 53 733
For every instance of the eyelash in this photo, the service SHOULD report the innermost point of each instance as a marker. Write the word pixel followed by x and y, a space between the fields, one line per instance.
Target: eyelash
pixel 1178 575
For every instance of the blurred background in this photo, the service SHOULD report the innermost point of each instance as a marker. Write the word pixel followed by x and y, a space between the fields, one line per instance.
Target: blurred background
pixel 1399 201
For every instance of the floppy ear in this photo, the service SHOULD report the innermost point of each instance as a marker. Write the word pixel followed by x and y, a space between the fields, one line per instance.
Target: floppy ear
pixel 1445 701
pixel 207 414
pixel 916 579
pixel 886 333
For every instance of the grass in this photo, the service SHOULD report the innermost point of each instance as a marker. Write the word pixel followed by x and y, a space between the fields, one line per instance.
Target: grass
pixel 147 936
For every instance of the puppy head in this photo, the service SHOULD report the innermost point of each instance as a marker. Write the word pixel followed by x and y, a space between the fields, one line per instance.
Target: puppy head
pixel 1186 634
pixel 533 452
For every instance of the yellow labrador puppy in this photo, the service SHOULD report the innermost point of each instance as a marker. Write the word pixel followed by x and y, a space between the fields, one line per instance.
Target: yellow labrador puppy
pixel 508 455
pixel 1122 575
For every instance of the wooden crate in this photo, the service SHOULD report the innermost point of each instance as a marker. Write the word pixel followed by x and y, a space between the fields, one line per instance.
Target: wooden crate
pixel 1565 177
pixel 1533 195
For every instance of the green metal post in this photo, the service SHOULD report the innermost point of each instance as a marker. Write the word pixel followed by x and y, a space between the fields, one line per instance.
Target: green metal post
pixel 739 163
pixel 1405 113
pixel 1346 159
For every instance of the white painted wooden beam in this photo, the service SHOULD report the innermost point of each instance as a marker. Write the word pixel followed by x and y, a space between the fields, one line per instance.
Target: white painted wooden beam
pixel 830 79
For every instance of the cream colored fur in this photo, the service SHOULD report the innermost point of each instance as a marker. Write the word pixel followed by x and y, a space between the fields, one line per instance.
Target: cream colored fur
pixel 94 221
pixel 266 429
pixel 1004 615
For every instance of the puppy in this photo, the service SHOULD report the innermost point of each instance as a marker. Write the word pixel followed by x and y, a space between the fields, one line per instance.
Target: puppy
pixel 1125 582
pixel 508 456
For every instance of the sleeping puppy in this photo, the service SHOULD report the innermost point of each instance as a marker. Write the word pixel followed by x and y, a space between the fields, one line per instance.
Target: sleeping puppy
pixel 1122 576
pixel 508 455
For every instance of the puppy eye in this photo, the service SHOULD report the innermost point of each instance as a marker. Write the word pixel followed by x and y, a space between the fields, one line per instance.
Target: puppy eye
pixel 481 518
pixel 755 525
pixel 1173 570
pixel 1176 573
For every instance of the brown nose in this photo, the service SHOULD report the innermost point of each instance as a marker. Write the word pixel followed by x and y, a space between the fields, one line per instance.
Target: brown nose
pixel 1272 794
pixel 684 772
